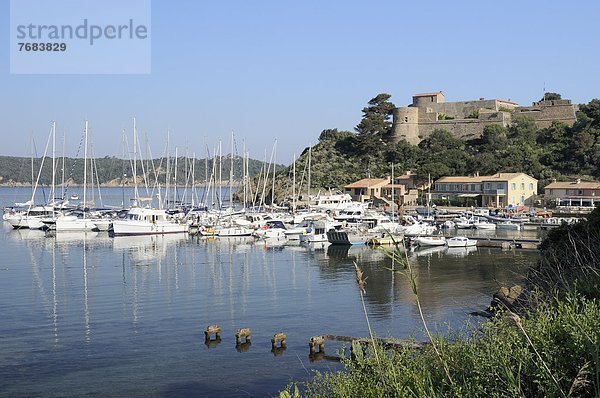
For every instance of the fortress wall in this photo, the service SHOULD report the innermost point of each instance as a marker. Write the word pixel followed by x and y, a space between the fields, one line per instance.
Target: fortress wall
pixel 545 115
pixel 419 120
pixel 458 110
pixel 466 129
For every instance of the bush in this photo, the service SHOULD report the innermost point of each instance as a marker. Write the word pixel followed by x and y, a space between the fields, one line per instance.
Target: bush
pixel 552 350
pixel 500 360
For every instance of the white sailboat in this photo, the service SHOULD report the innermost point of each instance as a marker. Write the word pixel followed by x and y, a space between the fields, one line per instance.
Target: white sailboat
pixel 75 223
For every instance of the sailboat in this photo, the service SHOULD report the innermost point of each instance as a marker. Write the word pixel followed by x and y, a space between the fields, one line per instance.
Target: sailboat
pixel 32 216
pixel 75 222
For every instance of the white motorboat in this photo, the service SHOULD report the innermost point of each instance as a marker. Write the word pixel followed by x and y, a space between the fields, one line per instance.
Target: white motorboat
pixel 234 231
pixel 143 221
pixel 417 229
pixel 271 229
pixel 334 202
pixel 31 218
pixel 71 223
pixel 343 237
pixel 295 232
pixel 431 241
pixel 509 226
pixel 484 225
pixel 351 216
pixel 317 231
pixel 448 224
pixel 461 241
pixel 464 223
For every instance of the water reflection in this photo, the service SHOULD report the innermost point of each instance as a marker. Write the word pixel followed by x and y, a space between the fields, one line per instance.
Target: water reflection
pixel 138 306
pixel 146 249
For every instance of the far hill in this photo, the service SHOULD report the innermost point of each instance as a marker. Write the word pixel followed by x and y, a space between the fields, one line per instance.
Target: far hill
pixel 114 171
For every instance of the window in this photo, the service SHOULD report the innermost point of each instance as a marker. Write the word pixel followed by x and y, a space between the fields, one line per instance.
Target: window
pixel 498 186
pixel 472 187
pixel 531 186
pixel 523 186
pixel 513 186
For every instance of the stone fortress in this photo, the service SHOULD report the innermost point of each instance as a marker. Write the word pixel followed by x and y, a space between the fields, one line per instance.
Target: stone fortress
pixel 467 119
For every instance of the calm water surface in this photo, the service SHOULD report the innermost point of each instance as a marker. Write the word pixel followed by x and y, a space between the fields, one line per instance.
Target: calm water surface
pixel 98 316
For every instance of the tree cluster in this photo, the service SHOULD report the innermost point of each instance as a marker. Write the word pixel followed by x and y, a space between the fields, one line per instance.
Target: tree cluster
pixel 559 151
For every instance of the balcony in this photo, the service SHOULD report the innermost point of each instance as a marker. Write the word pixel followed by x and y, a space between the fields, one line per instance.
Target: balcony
pixel 494 191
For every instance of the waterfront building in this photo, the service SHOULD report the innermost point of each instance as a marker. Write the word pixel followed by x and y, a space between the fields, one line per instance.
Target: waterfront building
pixel 405 189
pixel 498 190
pixel 573 193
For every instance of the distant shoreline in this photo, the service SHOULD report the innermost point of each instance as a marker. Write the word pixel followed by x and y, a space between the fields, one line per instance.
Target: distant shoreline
pixel 113 185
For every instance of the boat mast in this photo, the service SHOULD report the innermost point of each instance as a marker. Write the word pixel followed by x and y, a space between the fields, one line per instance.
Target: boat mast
pixel 32 174
pixel 62 194
pixel 123 175
pixel 393 203
pixel 308 182
pixel 175 182
pixel 220 198
pixel 53 160
pixel 294 185
pixel 193 193
pixel 274 163
pixel 85 147
pixel 135 187
pixel 167 175
pixel 231 175
pixel 244 175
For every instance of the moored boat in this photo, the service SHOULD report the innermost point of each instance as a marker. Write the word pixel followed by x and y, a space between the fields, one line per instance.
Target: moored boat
pixel 508 225
pixel 430 240
pixel 143 221
pixel 460 241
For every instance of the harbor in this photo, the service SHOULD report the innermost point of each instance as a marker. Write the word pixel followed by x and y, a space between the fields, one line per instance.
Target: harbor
pixel 121 309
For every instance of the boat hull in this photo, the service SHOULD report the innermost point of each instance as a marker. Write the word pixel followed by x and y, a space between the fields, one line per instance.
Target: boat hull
pixel 127 227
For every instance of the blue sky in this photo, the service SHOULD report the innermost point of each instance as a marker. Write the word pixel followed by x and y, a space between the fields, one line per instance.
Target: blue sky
pixel 281 70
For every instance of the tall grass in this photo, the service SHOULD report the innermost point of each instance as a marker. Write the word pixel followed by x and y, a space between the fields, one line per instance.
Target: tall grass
pixel 551 350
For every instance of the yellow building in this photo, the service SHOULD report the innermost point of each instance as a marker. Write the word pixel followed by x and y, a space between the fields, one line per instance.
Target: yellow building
pixel 498 190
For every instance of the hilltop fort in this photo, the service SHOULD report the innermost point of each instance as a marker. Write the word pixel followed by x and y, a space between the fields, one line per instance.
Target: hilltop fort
pixel 467 119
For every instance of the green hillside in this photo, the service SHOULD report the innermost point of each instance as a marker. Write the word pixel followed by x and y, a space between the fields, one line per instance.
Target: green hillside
pixel 110 170
pixel 559 151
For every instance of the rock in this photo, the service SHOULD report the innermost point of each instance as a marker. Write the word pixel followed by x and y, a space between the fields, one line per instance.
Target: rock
pixel 509 298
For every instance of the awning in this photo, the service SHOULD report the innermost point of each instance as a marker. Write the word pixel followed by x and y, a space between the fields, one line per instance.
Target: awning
pixel 469 195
